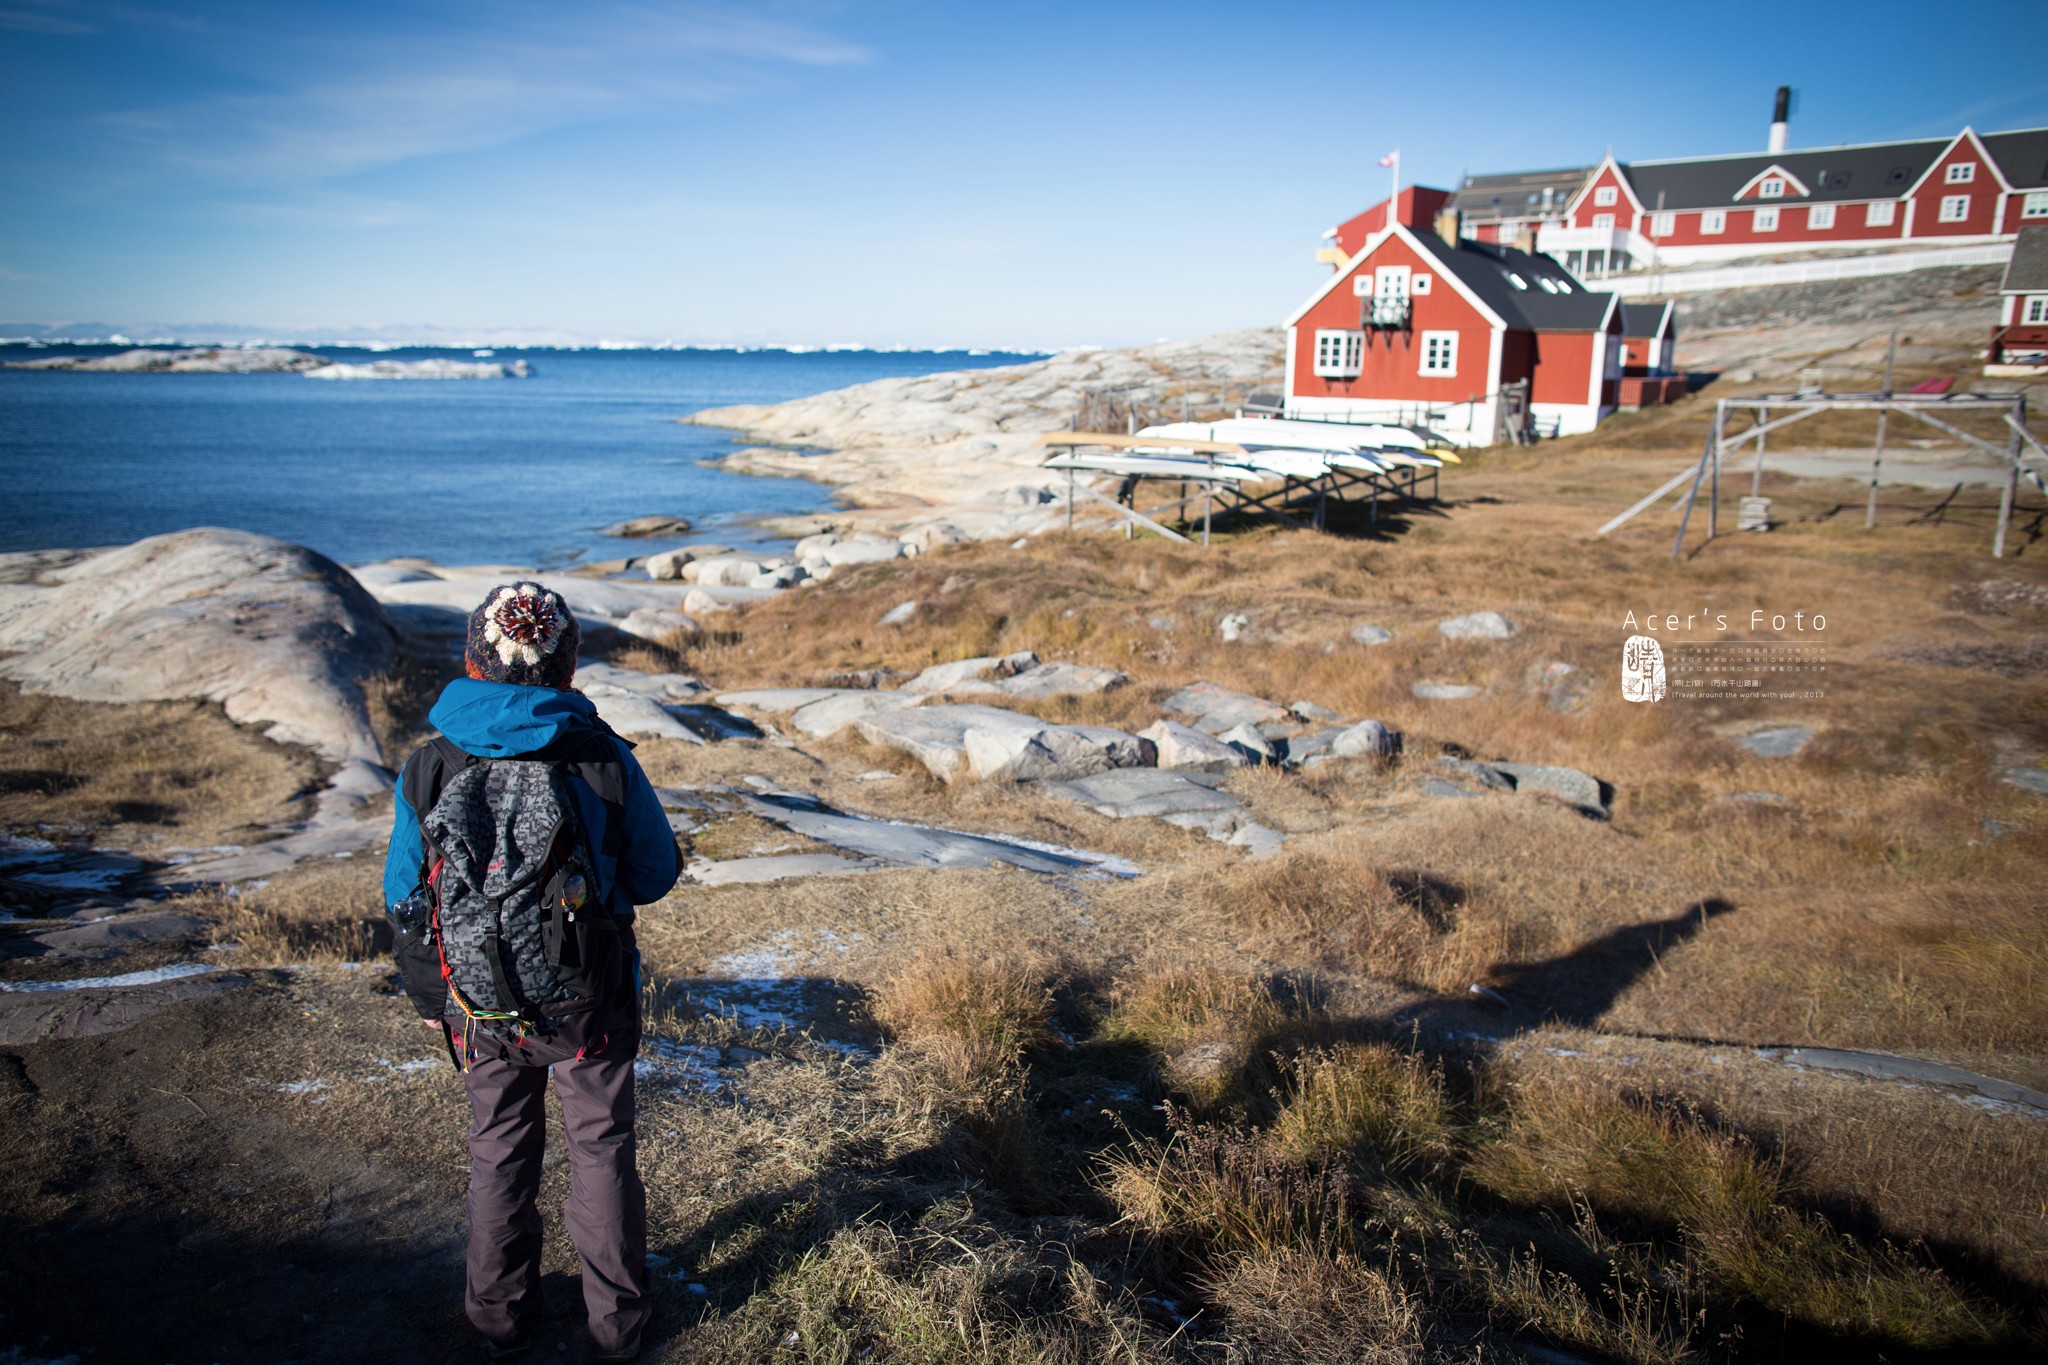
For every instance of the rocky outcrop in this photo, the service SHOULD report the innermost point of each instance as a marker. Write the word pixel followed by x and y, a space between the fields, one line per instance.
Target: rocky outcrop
pixel 182 360
pixel 637 527
pixel 1212 709
pixel 960 446
pixel 434 368
pixel 278 635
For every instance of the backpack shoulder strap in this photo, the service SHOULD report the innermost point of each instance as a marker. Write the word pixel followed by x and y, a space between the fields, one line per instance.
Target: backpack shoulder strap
pixel 428 770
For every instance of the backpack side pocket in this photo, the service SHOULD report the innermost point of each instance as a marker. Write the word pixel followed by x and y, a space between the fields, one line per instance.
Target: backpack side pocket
pixel 418 956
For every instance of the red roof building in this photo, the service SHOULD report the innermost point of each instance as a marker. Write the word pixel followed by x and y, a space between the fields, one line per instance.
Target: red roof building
pixel 1475 340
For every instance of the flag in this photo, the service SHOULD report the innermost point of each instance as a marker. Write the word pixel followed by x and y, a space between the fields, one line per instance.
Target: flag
pixel 1392 158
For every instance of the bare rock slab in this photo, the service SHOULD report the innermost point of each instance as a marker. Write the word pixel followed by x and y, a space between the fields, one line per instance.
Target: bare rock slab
pixel 936 736
pixel 1782 742
pixel 830 715
pixel 1190 800
pixel 1443 691
pixel 778 700
pixel 86 1009
pixel 1061 680
pixel 1212 709
pixel 279 635
pixel 898 844
pixel 977 674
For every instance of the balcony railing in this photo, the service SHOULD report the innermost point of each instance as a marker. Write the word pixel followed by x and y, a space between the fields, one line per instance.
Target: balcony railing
pixel 1384 310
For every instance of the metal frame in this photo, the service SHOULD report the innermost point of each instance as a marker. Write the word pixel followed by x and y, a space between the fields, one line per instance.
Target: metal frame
pixel 2012 408
pixel 1295 494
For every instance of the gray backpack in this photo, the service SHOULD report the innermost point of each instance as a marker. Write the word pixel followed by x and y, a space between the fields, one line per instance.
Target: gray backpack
pixel 510 913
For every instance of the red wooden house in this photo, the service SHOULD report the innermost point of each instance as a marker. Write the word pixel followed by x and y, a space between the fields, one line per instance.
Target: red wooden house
pixel 1468 338
pixel 1964 189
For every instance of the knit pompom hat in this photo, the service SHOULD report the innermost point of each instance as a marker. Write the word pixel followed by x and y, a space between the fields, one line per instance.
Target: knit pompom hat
pixel 523 634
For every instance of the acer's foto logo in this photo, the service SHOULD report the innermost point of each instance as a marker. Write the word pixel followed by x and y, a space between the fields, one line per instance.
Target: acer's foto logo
pixel 1642 669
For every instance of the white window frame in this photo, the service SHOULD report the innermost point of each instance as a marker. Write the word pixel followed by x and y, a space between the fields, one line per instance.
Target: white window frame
pixel 1439 352
pixel 1955 208
pixel 1713 222
pixel 1820 217
pixel 1663 224
pixel 1763 220
pixel 1419 283
pixel 1339 353
pixel 2036 311
pixel 1960 173
pixel 1883 213
pixel 1605 195
pixel 1603 220
pixel 1773 188
pixel 2035 205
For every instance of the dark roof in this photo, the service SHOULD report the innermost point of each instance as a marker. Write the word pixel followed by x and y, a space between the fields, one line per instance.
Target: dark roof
pixel 1877 171
pixel 2023 156
pixel 1490 272
pixel 2027 271
pixel 1516 194
pixel 1643 319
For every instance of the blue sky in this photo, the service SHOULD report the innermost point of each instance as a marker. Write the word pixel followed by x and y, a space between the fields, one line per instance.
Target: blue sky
pixel 1024 173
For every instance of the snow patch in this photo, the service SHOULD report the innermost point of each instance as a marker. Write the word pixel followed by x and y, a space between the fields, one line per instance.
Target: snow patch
pixel 153 976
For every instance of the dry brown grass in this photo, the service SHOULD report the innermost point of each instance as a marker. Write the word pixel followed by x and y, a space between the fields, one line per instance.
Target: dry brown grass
pixel 1662 1171
pixel 141 776
pixel 1369 1105
pixel 984 1016
pixel 325 913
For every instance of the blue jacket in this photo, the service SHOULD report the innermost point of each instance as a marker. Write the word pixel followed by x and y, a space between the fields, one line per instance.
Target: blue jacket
pixel 505 720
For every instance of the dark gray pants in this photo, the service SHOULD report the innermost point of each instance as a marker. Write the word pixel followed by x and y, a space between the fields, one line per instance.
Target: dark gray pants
pixel 607 1209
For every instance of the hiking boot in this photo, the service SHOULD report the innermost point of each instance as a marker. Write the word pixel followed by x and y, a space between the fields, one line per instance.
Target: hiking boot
pixel 629 1349
pixel 509 1350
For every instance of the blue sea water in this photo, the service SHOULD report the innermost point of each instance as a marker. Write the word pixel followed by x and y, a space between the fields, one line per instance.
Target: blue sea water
pixel 512 471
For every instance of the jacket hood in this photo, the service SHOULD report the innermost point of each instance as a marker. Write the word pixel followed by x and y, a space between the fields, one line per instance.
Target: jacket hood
pixel 504 720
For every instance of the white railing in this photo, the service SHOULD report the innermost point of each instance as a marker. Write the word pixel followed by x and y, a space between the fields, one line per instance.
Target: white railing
pixel 1803 272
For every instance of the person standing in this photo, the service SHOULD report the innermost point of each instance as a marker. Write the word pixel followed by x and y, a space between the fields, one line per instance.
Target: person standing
pixel 523 838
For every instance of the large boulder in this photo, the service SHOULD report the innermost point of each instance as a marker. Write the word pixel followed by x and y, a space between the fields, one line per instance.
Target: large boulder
pixel 1576 789
pixel 1480 625
pixel 659 625
pixel 1367 739
pixel 727 571
pixel 986 741
pixel 1212 709
pixel 278 635
pixel 1184 747
pixel 1057 753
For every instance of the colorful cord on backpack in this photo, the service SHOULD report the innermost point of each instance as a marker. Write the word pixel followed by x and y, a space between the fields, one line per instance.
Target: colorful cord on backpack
pixel 471 1014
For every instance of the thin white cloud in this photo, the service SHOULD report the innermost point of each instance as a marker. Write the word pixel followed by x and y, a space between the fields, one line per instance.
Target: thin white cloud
pixel 352 102
pixel 9 276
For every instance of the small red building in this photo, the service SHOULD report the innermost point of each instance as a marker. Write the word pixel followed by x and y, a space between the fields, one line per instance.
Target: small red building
pixel 1473 339
pixel 2021 337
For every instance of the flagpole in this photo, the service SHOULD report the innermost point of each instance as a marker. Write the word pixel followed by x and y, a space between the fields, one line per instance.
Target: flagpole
pixel 1394 195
